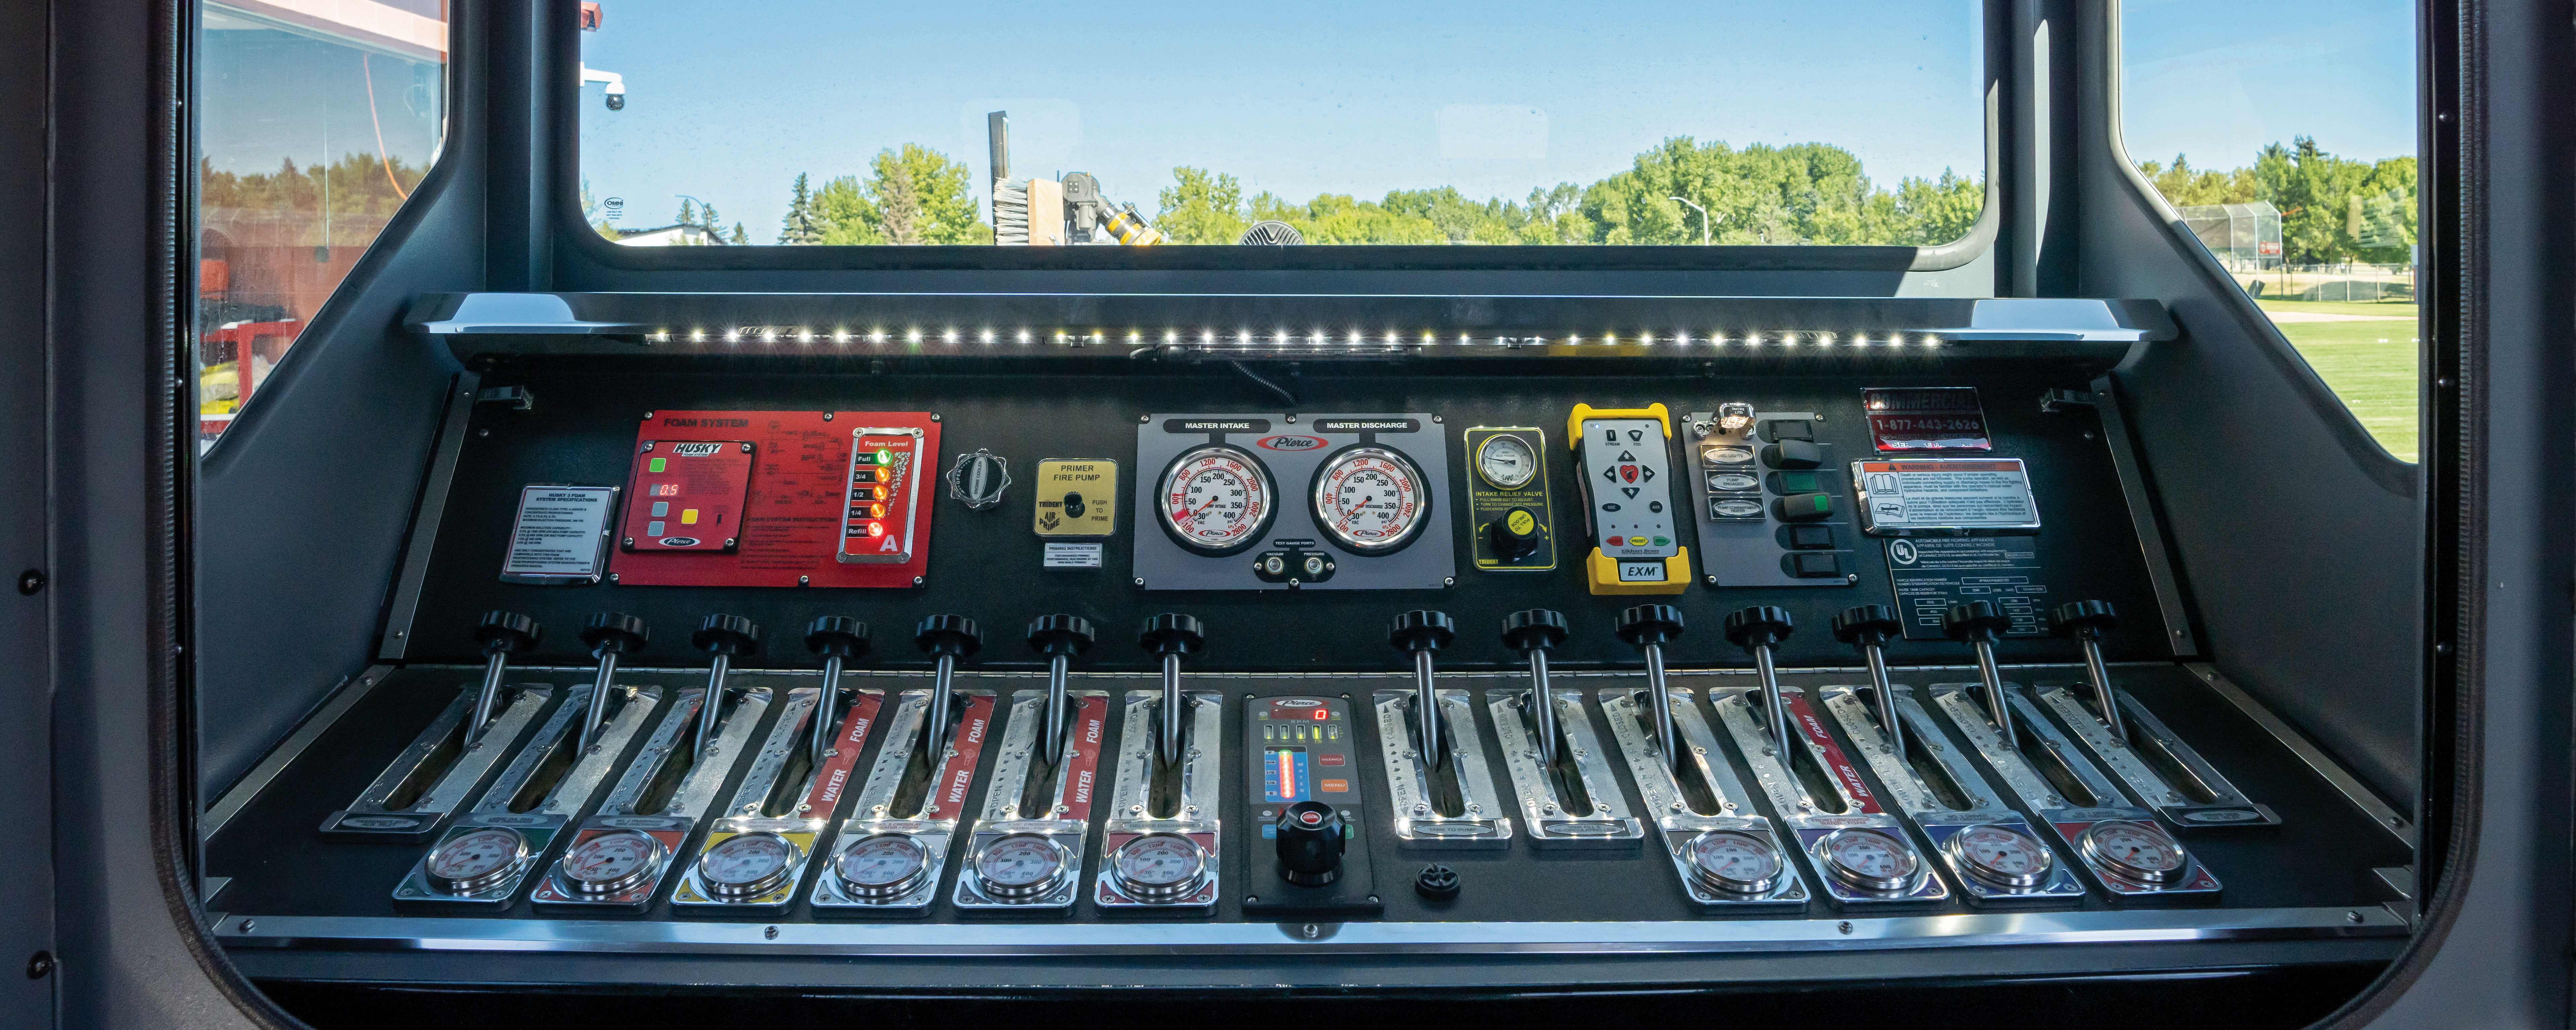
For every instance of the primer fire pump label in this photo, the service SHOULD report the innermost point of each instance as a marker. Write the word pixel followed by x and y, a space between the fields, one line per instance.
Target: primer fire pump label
pixel 1934 497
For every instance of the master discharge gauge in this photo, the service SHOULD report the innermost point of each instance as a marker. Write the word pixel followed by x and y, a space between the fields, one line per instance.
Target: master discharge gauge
pixel 1370 500
pixel 1217 499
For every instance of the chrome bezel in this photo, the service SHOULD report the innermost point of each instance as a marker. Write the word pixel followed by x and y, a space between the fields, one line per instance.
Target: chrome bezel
pixel 1967 861
pixel 1527 474
pixel 910 882
pixel 1260 525
pixel 1184 887
pixel 766 883
pixel 1858 879
pixel 645 870
pixel 1715 880
pixel 1046 884
pixel 2104 861
pixel 1342 538
pixel 475 884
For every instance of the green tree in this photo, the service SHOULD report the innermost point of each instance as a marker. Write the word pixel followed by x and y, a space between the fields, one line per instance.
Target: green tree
pixel 2314 191
pixel 1200 207
pixel 912 196
pixel 2185 186
pixel 800 226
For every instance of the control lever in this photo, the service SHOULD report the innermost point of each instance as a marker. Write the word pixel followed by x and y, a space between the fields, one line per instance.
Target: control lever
pixel 502 634
pixel 1647 627
pixel 838 638
pixel 726 637
pixel 1060 638
pixel 1172 636
pixel 1533 633
pixel 1420 634
pixel 1310 844
pixel 948 638
pixel 1757 630
pixel 1978 624
pixel 609 635
pixel 1867 629
pixel 2085 621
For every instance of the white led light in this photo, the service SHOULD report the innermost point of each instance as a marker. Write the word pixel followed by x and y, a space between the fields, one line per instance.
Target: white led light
pixel 1207 336
pixel 876 336
pixel 1464 339
pixel 1133 336
pixel 948 335
pixel 912 336
pixel 1024 336
pixel 986 335
pixel 1243 336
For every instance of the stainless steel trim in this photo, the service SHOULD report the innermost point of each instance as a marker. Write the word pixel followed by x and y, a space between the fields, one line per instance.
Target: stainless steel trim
pixel 2317 760
pixel 424 525
pixel 1659 786
pixel 247 788
pixel 2228 806
pixel 2142 516
pixel 2130 926
pixel 1609 824
pixel 1484 822
pixel 573 792
pixel 716 761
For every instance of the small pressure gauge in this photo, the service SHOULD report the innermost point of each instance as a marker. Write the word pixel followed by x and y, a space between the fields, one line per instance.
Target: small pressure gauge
pixel 1734 861
pixel 1021 865
pixel 1866 859
pixel 881 866
pixel 2135 851
pixel 2001 856
pixel 476 861
pixel 1508 462
pixel 1159 868
pixel 747 865
pixel 612 863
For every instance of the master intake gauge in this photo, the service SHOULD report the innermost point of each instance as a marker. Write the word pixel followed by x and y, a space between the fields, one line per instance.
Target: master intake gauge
pixel 2136 851
pixel 1159 868
pixel 471 863
pixel 2001 856
pixel 1867 859
pixel 1734 861
pixel 612 862
pixel 1216 499
pixel 884 865
pixel 747 865
pixel 1370 500
pixel 1021 865
pixel 1506 461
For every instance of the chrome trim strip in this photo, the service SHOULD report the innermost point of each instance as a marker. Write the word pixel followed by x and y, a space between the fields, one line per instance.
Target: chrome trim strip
pixel 1677 936
pixel 2142 516
pixel 423 536
pixel 243 790
pixel 2316 759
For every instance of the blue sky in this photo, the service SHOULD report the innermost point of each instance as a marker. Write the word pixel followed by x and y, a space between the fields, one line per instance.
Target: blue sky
pixel 729 104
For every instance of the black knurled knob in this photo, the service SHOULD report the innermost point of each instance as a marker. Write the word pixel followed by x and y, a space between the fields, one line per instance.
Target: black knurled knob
pixel 1869 623
pixel 1422 630
pixel 1310 844
pixel 615 633
pixel 954 635
pixel 507 633
pixel 1172 633
pixel 1067 635
pixel 726 635
pixel 1759 626
pixel 1436 882
pixel 1536 629
pixel 2082 618
pixel 1650 624
pixel 1975 620
pixel 837 636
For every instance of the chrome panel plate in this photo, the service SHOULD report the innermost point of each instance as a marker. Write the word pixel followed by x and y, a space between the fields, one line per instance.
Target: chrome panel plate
pixel 545 822
pixel 1196 814
pixel 672 823
pixel 2227 806
pixel 1628 709
pixel 367 817
pixel 1807 822
pixel 786 737
pixel 1609 825
pixel 1062 814
pixel 931 829
pixel 2069 821
pixel 1937 822
pixel 1417 823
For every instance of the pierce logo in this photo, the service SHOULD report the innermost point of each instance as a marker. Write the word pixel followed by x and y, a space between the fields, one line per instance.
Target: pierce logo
pixel 679 541
pixel 695 450
pixel 1288 443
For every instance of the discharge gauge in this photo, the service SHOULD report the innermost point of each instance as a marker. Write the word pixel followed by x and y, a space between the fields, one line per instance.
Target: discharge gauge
pixel 1159 867
pixel 747 865
pixel 2001 855
pixel 1734 861
pixel 612 862
pixel 1370 499
pixel 885 865
pixel 471 863
pixel 2136 851
pixel 1020 865
pixel 1867 859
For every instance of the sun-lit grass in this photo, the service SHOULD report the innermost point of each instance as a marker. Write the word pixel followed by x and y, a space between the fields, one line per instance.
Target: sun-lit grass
pixel 2371 365
pixel 2382 308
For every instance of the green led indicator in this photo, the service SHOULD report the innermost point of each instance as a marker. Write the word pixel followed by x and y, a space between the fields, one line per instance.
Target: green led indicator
pixel 884 456
pixel 1824 503
pixel 658 463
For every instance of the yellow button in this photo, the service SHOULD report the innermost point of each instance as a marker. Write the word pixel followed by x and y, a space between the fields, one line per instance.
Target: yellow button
pixel 688 516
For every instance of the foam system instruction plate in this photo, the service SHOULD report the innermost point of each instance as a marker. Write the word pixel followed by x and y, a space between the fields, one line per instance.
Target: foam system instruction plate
pixel 1282 502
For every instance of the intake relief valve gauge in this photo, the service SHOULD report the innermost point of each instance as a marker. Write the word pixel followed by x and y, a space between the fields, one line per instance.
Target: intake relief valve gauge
pixel 1370 499
pixel 1867 859
pixel 886 865
pixel 2135 851
pixel 1021 865
pixel 747 865
pixel 472 863
pixel 1217 499
pixel 1734 862
pixel 1159 867
pixel 612 862
pixel 1507 462
pixel 2001 856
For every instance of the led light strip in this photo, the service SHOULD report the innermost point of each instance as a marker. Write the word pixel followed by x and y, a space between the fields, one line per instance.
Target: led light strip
pixel 1352 339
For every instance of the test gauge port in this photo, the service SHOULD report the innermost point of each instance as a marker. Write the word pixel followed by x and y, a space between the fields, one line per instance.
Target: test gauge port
pixel 2134 852
pixel 747 865
pixel 1022 865
pixel 1867 860
pixel 1159 868
pixel 477 861
pixel 610 863
pixel 881 866
pixel 1734 862
pixel 2001 856
pixel 1370 500
pixel 1216 499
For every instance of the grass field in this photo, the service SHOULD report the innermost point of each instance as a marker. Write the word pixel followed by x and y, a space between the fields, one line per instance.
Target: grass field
pixel 2371 365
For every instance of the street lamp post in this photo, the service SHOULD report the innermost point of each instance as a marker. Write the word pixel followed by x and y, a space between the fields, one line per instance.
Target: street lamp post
pixel 1703 219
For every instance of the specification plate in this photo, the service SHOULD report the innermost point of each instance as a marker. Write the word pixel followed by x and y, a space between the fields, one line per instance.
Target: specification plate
pixel 560 536
pixel 1931 574
pixel 1934 497
pixel 1934 418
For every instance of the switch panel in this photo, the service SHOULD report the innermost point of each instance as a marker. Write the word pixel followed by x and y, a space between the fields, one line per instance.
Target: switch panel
pixel 1623 460
pixel 1767 500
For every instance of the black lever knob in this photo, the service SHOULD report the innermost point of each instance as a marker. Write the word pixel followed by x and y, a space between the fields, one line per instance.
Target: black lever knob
pixel 1650 624
pixel 1066 635
pixel 507 633
pixel 1536 629
pixel 615 633
pixel 837 636
pixel 1758 626
pixel 1975 622
pixel 954 636
pixel 730 635
pixel 1172 633
pixel 1310 844
pixel 1422 631
pixel 1867 624
pixel 1513 535
pixel 2083 619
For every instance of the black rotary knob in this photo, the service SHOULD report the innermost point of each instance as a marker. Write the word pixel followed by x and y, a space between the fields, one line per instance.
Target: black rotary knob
pixel 2083 618
pixel 837 636
pixel 1172 633
pixel 1066 635
pixel 1974 621
pixel 953 635
pixel 615 633
pixel 1436 882
pixel 1422 631
pixel 1536 629
pixel 1513 535
pixel 507 633
pixel 1310 844
pixel 1650 624
pixel 1869 623
pixel 730 635
pixel 1758 626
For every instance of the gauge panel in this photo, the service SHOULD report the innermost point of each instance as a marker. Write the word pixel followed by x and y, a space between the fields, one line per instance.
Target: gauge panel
pixel 1296 502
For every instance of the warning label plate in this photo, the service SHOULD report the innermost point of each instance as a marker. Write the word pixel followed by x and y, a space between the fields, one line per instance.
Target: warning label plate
pixel 1933 497
pixel 560 536
pixel 1932 574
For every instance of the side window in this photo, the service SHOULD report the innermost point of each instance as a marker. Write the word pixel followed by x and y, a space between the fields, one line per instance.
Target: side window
pixel 314 123
pixel 2284 134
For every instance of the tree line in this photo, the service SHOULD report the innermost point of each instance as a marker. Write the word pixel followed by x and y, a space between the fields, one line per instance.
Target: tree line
pixel 2333 209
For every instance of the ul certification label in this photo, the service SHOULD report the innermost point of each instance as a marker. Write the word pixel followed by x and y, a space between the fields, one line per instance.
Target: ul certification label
pixel 1976 496
pixel 1932 574
pixel 1077 498
pixel 560 536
